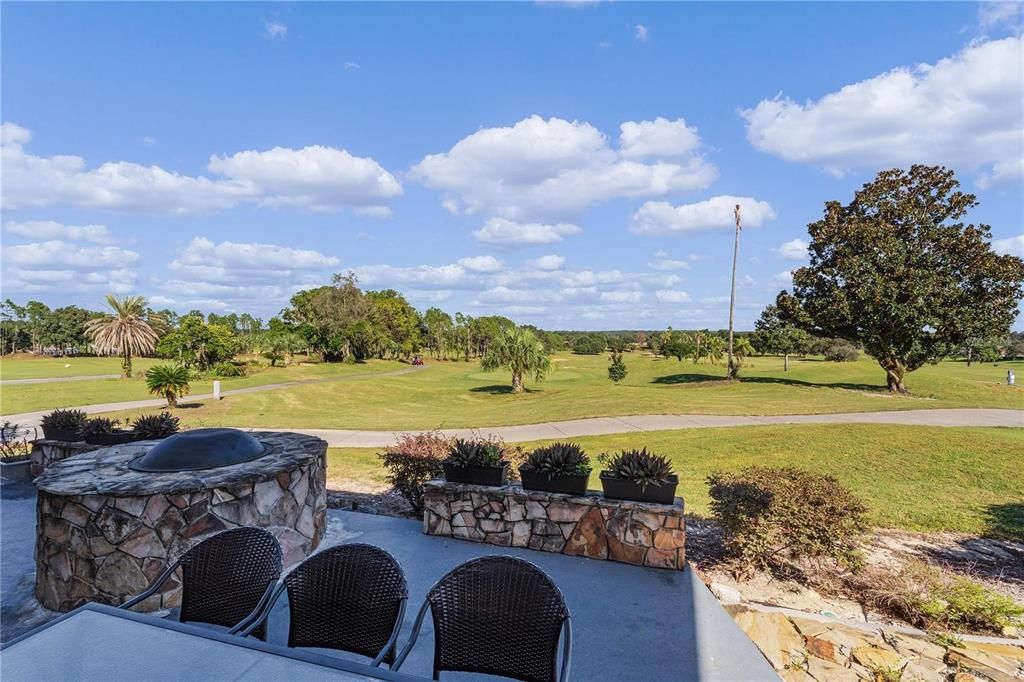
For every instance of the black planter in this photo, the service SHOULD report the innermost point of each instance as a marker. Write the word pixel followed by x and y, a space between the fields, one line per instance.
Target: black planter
pixel 570 484
pixel 477 475
pixel 66 435
pixel 624 489
pixel 113 438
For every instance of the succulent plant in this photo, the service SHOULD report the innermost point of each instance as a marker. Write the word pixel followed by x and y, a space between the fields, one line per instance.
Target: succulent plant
pixel 641 467
pixel 465 453
pixel 151 426
pixel 98 425
pixel 69 420
pixel 558 459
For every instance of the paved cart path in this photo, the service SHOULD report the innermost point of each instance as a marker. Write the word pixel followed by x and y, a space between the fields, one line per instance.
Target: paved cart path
pixel 57 380
pixel 574 428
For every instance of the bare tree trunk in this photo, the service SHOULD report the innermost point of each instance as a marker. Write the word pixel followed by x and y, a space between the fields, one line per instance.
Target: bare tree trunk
pixel 734 370
pixel 785 363
pixel 126 366
pixel 894 374
pixel 517 382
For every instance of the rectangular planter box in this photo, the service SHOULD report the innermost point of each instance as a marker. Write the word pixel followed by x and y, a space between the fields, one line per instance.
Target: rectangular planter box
pixel 477 475
pixel 571 484
pixel 115 438
pixel 17 471
pixel 622 489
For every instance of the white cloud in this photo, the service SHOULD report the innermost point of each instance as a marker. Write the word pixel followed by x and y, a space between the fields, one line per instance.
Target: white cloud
pixel 425 277
pixel 1002 172
pixel 783 279
pixel 621 296
pixel 351 66
pixel 313 178
pixel 641 33
pixel 511 234
pixel 482 264
pixel 56 254
pixel 58 266
pixel 671 296
pixel 1001 13
pixel 663 263
pixel 660 217
pixel 274 30
pixel 50 229
pixel 235 257
pixel 659 138
pixel 548 263
pixel 149 141
pixel 794 249
pixel 966 110
pixel 548 170
pixel 1013 246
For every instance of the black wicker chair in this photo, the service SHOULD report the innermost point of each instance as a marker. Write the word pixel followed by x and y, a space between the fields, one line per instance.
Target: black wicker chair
pixel 349 597
pixel 225 577
pixel 497 615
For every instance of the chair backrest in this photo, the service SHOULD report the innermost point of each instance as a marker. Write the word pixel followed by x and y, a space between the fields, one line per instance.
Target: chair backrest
pixel 497 615
pixel 225 575
pixel 349 597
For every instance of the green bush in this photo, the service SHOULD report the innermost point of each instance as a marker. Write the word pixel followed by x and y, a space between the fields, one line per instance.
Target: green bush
pixel 558 459
pixel 838 350
pixel 774 515
pixel 224 370
pixel 589 344
pixel 413 461
pixel 616 367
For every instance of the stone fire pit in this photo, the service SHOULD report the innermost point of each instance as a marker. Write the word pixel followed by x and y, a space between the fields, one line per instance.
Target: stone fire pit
pixel 104 530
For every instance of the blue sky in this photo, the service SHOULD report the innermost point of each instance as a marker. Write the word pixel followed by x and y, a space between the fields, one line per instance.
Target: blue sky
pixel 568 165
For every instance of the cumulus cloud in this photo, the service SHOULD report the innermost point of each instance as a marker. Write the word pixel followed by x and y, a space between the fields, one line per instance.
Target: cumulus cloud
pixel 58 254
pixel 660 217
pixel 1013 246
pixel 510 234
pixel 794 249
pixel 63 266
pixel 427 277
pixel 313 178
pixel 234 261
pixel 482 264
pixel 672 296
pixel 50 229
pixel 274 30
pixel 549 170
pixel 548 263
pixel 999 14
pixel 966 110
pixel 663 262
pixel 641 33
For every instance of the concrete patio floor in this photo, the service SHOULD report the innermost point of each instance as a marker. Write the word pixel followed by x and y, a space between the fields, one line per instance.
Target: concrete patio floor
pixel 629 623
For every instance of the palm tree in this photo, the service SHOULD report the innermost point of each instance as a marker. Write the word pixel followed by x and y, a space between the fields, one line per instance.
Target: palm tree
pixel 518 350
pixel 126 332
pixel 169 381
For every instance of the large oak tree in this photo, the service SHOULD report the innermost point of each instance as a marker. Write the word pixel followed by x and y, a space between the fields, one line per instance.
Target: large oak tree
pixel 898 272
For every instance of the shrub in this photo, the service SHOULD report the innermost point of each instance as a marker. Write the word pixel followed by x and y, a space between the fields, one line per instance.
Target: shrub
pixel 928 597
pixel 589 344
pixel 770 515
pixel 474 452
pixel 152 426
pixel 413 461
pixel 558 459
pixel 13 444
pixel 639 466
pixel 169 381
pixel 223 370
pixel 617 368
pixel 98 425
pixel 70 420
pixel 838 350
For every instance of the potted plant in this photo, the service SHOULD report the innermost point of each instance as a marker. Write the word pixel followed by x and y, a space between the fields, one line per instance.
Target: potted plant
pixel 638 475
pixel 155 426
pixel 475 462
pixel 103 431
pixel 66 425
pixel 556 468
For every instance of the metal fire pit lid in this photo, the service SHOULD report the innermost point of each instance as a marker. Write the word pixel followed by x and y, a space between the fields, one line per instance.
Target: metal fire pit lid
pixel 200 449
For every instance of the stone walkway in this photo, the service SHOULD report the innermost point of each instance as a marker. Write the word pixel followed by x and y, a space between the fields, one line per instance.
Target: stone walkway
pixel 575 428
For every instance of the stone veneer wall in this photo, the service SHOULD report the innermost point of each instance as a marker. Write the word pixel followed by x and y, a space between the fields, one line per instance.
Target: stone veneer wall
pixel 103 538
pixel 45 452
pixel 589 526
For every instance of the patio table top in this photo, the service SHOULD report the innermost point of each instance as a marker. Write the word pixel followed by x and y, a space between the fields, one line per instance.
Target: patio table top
pixel 98 642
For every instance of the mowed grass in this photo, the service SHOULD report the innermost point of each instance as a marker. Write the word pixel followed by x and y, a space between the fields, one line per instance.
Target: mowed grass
pixel 458 394
pixel 915 478
pixel 25 366
pixel 18 398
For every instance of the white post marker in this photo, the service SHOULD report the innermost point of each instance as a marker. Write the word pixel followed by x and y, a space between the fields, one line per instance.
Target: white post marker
pixel 1010 378
pixel 216 390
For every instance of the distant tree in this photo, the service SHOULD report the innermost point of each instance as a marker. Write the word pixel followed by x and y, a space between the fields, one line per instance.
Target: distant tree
pixel 168 381
pixel 519 351
pixel 589 344
pixel 678 345
pixel 775 336
pixel 438 325
pixel 616 367
pixel 742 348
pixel 898 273
pixel 988 349
pixel 126 332
pixel 618 343
pixel 198 344
pixel 840 350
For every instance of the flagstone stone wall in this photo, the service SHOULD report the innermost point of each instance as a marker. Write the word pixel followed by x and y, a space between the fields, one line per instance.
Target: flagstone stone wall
pixel 45 452
pixel 105 531
pixel 589 526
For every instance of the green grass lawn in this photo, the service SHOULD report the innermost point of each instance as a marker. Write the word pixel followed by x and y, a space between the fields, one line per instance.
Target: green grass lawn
pixel 458 394
pixel 915 478
pixel 25 366
pixel 31 397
